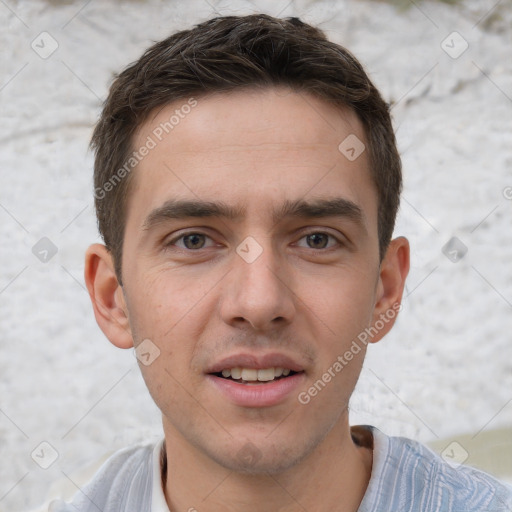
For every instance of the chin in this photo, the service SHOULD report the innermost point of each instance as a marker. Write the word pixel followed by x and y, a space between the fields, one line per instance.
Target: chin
pixel 253 459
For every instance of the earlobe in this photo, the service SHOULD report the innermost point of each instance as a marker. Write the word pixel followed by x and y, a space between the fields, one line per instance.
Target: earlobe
pixel 107 296
pixel 393 272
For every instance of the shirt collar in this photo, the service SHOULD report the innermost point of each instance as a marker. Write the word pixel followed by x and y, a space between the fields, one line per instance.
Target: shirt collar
pixel 158 502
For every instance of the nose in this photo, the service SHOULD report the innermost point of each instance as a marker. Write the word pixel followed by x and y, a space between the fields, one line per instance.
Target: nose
pixel 258 293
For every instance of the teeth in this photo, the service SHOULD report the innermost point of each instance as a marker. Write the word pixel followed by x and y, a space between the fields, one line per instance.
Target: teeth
pixel 253 375
pixel 249 374
pixel 266 375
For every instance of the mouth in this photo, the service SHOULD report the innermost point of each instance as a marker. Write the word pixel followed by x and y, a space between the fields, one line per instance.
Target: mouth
pixel 256 380
pixel 254 376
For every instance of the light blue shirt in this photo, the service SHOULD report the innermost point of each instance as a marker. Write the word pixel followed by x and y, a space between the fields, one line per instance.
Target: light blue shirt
pixel 406 477
pixel 409 477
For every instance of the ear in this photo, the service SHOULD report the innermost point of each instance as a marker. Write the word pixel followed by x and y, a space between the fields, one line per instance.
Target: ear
pixel 390 287
pixel 107 296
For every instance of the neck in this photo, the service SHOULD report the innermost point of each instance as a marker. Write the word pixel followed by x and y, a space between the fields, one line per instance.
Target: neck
pixel 333 477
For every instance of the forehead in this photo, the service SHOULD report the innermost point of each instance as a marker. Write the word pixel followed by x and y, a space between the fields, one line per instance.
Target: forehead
pixel 271 145
pixel 251 117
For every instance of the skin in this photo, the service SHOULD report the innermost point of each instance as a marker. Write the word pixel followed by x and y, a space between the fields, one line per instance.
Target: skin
pixel 306 297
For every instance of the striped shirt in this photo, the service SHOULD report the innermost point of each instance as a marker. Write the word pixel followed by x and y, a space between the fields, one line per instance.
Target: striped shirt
pixel 406 477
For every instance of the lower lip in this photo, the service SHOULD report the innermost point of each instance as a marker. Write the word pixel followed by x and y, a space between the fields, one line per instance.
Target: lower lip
pixel 265 394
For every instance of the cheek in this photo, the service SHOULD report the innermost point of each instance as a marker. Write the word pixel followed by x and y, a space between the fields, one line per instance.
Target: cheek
pixel 164 305
pixel 164 382
pixel 342 302
pixel 170 315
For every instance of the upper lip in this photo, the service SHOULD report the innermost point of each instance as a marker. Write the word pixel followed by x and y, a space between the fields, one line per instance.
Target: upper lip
pixel 255 361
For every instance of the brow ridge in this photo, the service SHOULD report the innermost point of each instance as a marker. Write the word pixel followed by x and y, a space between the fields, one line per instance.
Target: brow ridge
pixel 318 208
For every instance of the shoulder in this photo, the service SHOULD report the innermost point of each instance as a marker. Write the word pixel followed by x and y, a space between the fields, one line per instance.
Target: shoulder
pixel 450 485
pixel 409 475
pixel 123 482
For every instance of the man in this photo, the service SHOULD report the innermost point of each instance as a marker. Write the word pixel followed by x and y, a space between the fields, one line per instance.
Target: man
pixel 247 182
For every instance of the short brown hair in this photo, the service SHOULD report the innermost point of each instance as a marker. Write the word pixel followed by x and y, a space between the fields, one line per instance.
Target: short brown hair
pixel 227 53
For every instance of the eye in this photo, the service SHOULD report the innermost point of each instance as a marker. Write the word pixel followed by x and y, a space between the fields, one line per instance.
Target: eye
pixel 318 240
pixel 192 241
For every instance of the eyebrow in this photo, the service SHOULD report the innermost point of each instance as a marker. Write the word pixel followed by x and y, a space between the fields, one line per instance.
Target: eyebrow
pixel 319 208
pixel 183 209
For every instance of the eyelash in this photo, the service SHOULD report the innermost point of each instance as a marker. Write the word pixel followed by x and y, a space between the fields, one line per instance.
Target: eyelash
pixel 189 233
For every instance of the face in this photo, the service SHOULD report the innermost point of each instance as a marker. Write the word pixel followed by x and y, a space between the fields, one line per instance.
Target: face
pixel 251 244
